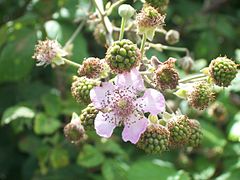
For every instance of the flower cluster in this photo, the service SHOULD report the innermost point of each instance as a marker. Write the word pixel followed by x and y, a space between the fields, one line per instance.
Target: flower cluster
pixel 128 90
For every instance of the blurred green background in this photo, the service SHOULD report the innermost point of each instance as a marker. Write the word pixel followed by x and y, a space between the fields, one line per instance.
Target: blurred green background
pixel 35 102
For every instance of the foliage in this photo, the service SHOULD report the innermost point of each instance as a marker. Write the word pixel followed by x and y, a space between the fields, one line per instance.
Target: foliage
pixel 36 104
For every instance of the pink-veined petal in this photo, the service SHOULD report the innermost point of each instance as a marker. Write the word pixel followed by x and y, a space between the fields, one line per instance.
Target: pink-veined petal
pixel 99 94
pixel 132 78
pixel 105 123
pixel 152 101
pixel 133 129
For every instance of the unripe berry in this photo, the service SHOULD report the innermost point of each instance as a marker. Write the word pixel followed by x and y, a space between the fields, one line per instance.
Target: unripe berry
pixel 92 67
pixel 88 116
pixel 155 139
pixel 180 130
pixel 74 131
pixel 160 5
pixel 81 87
pixel 196 134
pixel 200 96
pixel 122 56
pixel 222 71
pixel 172 37
pixel 166 76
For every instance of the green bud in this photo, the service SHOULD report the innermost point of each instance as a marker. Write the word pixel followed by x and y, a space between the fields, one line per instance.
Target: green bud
pixel 126 11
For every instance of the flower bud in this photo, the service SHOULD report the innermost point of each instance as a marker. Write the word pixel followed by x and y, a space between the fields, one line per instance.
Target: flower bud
pixel 74 131
pixel 201 95
pixel 180 130
pixel 218 112
pixel 154 140
pixel 166 76
pixel 126 11
pixel 196 134
pixel 88 116
pixel 81 88
pixel 148 20
pixel 92 68
pixel 49 52
pixel 172 37
pixel 122 56
pixel 222 71
pixel 186 63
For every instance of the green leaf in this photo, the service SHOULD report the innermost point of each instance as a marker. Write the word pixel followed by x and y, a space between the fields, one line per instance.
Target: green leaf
pixel 142 170
pixel 234 133
pixel 90 157
pixel 59 158
pixel 110 147
pixel 16 56
pixel 114 170
pixel 52 103
pixel 53 29
pixel 180 175
pixel 45 125
pixel 29 144
pixel 212 136
pixel 15 113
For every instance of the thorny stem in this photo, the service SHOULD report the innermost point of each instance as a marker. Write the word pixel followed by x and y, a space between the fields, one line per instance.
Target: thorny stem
pixel 194 77
pixel 74 35
pixel 144 38
pixel 122 28
pixel 71 63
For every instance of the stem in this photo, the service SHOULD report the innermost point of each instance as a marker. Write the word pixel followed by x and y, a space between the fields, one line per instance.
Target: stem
pixel 105 20
pixel 194 77
pixel 161 47
pixel 71 63
pixel 74 35
pixel 144 38
pixel 122 28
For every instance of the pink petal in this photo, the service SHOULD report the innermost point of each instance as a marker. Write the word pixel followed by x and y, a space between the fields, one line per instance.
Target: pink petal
pixel 98 95
pixel 105 123
pixel 132 78
pixel 133 129
pixel 152 101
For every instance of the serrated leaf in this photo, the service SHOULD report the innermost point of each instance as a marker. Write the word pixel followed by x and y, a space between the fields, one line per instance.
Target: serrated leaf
pixel 17 112
pixel 45 125
pixel 114 170
pixel 90 157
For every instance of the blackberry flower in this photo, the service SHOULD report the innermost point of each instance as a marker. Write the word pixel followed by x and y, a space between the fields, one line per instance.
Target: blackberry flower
pixel 120 104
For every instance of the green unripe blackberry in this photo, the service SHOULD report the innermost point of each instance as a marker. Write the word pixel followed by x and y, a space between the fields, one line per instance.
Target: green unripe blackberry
pixel 155 139
pixel 160 5
pixel 122 56
pixel 81 88
pixel 201 95
pixel 180 131
pixel 88 116
pixel 166 76
pixel 196 135
pixel 222 71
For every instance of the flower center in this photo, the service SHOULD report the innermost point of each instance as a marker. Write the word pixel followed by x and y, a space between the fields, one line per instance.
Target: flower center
pixel 123 106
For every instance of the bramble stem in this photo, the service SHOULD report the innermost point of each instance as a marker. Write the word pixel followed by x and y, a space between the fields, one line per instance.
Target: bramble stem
pixel 161 47
pixel 122 28
pixel 144 38
pixel 194 77
pixel 105 20
pixel 71 63
pixel 74 35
